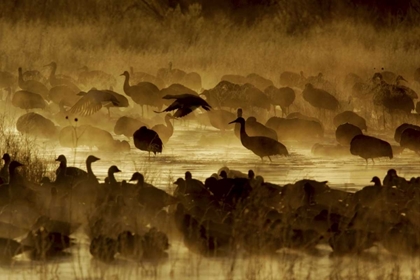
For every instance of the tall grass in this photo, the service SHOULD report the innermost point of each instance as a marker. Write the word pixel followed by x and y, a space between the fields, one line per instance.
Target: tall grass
pixel 213 46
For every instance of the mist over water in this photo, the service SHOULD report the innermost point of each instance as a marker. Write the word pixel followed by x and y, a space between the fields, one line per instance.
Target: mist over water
pixel 214 39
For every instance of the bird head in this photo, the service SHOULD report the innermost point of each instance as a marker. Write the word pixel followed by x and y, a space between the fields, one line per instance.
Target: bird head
pixel 92 159
pixel 137 176
pixel 376 180
pixel 238 120
pixel 113 169
pixel 6 157
pixel 179 181
pixel 61 158
pixel 126 74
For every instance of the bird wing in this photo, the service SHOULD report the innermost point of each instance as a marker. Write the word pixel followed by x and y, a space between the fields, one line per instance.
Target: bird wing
pixel 182 112
pixel 86 106
pixel 175 105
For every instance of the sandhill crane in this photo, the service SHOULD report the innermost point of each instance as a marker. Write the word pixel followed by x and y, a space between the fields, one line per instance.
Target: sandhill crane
pixel 63 80
pixel 147 140
pixel 260 145
pixel 370 147
pixel 63 94
pixel 92 101
pixel 165 131
pixel 138 77
pixel 32 86
pixel 282 97
pixel 292 79
pixel 185 104
pixel 36 125
pixel 144 93
pixel 346 132
pixel 127 126
pixel 170 75
pixel 320 98
pixel 96 78
pixel 399 130
pixel 400 84
pixel 28 100
pixel 410 139
pixel 258 81
pixel 350 117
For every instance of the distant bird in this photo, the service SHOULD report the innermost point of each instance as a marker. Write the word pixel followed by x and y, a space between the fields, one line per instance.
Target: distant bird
pixel 351 118
pixel 320 98
pixel 96 78
pixel 127 126
pixel 255 128
pixel 282 97
pixel 92 101
pixel 291 79
pixel 62 80
pixel 164 131
pixel 138 77
pixel 410 139
pixel 185 104
pixel 36 125
pixel 258 81
pixel 370 147
pixel 346 132
pixel 32 86
pixel 27 100
pixel 143 93
pixel 399 130
pixel 64 95
pixel 147 140
pixel 171 75
pixel 400 84
pixel 103 248
pixel 391 97
pixel 260 145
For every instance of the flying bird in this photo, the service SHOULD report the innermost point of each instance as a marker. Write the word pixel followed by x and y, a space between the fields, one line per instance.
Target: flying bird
pixel 185 104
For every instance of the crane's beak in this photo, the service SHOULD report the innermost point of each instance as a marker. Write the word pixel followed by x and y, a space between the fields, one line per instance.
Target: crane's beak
pixel 235 121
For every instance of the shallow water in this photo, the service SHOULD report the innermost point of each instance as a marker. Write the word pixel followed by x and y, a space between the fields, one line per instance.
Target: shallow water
pixel 204 152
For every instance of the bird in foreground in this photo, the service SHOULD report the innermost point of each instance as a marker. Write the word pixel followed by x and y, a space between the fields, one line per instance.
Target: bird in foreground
pixel 185 104
pixel 92 101
pixel 260 145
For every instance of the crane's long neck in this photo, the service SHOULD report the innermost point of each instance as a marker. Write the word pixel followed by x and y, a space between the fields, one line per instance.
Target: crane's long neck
pixel 127 85
pixel 243 134
pixel 89 169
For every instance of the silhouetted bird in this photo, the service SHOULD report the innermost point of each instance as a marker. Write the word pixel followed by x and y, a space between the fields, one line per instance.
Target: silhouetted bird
pixel 27 100
pixel 164 131
pixel 351 118
pixel 185 104
pixel 147 140
pixel 345 133
pixel 260 145
pixel 127 126
pixel 32 86
pixel 370 147
pixel 399 130
pixel 144 93
pixel 319 98
pixel 282 97
pixel 149 196
pixel 62 80
pixel 410 139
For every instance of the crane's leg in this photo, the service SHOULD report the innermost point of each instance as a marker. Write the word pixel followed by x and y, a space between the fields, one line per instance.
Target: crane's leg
pixel 109 113
pixel 270 159
pixel 262 160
